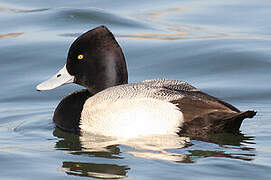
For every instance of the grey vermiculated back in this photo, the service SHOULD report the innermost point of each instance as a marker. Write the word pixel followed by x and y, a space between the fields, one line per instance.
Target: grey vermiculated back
pixel 171 84
pixel 162 89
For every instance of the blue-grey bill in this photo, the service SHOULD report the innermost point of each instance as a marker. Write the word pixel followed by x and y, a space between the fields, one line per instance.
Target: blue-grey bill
pixel 60 78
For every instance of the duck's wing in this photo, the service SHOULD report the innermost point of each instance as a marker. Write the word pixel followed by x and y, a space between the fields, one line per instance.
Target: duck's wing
pixel 203 113
pixel 187 90
pixel 188 94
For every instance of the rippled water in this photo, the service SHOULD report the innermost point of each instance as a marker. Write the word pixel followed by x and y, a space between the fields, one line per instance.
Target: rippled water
pixel 222 47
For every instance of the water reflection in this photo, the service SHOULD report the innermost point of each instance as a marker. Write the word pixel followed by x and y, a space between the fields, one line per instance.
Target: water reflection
pixel 195 154
pixel 176 30
pixel 236 144
pixel 156 36
pixel 71 142
pixel 223 139
pixel 10 35
pixel 166 148
pixel 6 9
pixel 103 171
pixel 167 11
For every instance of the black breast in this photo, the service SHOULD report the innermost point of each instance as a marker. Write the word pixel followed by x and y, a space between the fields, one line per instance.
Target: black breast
pixel 68 112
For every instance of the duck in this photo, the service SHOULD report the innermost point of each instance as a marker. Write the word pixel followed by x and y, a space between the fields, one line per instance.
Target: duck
pixel 110 106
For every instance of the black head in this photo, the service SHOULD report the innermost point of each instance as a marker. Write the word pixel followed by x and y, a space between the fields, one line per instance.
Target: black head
pixel 96 60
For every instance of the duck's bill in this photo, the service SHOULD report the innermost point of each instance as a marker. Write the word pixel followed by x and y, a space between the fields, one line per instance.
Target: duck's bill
pixel 60 78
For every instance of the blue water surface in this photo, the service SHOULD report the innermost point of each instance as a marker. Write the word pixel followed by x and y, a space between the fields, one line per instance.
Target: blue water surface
pixel 222 47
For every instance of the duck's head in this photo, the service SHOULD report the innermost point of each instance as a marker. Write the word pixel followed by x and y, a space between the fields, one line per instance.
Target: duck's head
pixel 95 61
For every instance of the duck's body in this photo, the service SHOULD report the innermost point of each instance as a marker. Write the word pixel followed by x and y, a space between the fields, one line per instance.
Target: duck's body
pixel 158 106
pixel 111 107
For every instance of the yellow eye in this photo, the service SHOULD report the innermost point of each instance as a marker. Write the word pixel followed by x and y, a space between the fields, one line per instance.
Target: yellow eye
pixel 80 56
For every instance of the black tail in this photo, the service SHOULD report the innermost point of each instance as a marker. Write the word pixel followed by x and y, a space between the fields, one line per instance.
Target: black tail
pixel 233 123
pixel 248 114
pixel 215 122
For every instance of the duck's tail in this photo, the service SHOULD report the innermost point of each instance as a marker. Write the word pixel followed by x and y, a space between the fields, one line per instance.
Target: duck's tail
pixel 215 122
pixel 232 123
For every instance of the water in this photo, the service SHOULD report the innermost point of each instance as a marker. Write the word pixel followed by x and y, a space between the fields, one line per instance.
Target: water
pixel 221 47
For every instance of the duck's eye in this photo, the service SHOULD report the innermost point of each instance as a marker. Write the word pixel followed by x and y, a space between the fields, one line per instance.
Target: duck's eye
pixel 80 56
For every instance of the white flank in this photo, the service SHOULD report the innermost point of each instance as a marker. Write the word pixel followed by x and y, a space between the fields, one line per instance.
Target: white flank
pixel 129 118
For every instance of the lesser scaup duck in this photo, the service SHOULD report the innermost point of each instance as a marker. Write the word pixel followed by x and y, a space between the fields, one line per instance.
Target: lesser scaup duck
pixel 112 107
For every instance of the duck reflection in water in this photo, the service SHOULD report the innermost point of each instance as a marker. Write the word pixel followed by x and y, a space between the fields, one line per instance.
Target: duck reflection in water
pixel 177 149
pixel 103 171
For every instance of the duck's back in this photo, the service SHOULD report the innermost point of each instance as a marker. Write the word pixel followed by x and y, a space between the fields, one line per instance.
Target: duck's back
pixel 160 89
